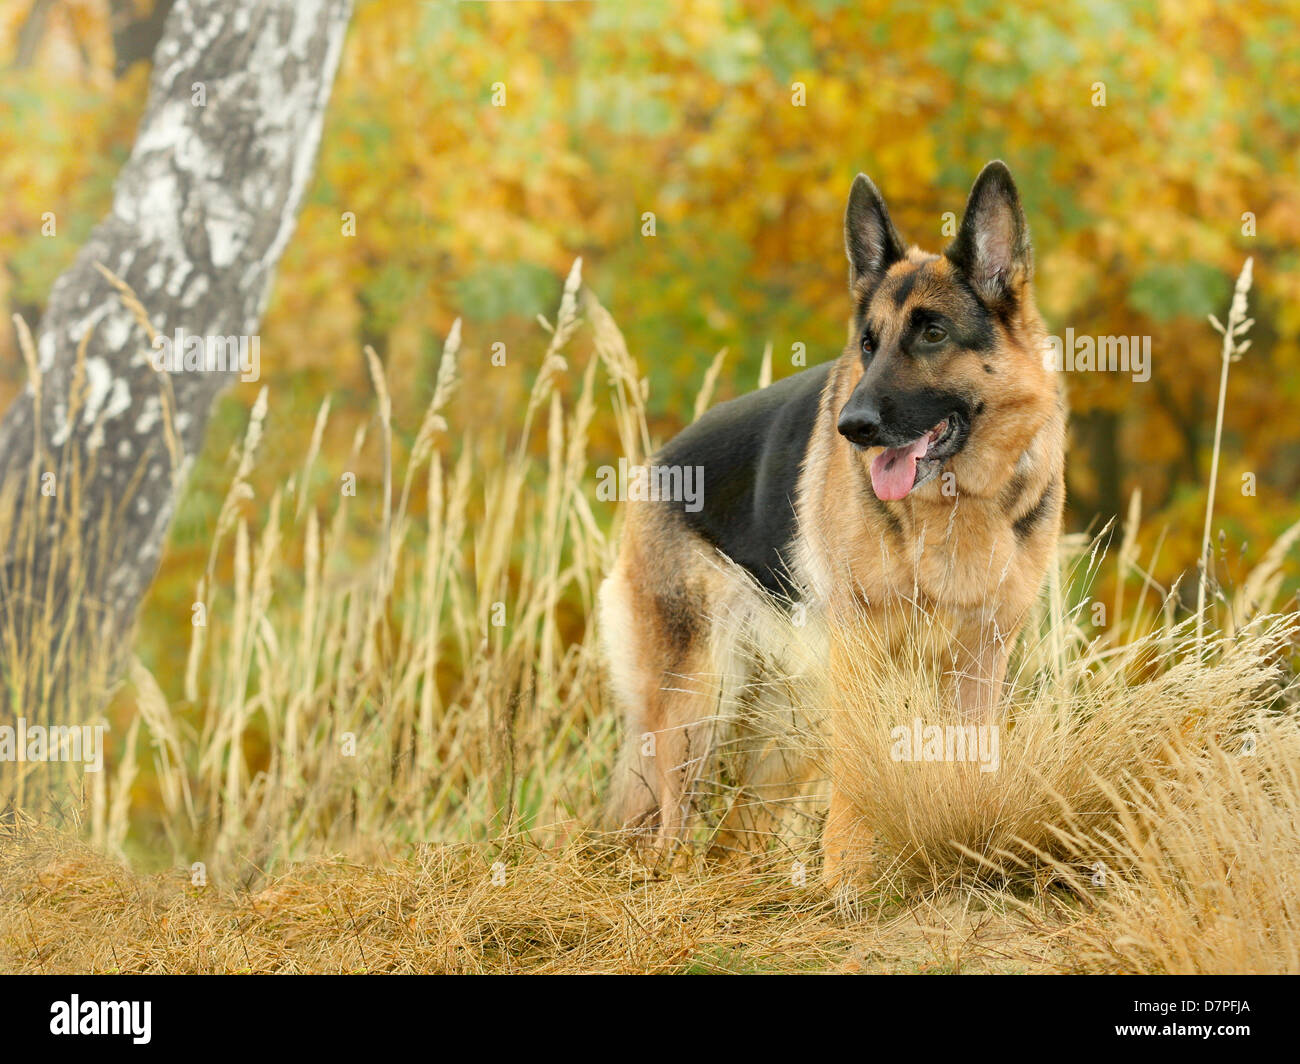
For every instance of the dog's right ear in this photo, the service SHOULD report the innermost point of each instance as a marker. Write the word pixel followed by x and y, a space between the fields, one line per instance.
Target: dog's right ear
pixel 870 239
pixel 992 246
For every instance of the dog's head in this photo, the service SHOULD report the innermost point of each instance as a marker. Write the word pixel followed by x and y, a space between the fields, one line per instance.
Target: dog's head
pixel 950 346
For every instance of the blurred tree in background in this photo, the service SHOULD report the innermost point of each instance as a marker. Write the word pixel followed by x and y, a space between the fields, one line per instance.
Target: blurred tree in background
pixel 471 151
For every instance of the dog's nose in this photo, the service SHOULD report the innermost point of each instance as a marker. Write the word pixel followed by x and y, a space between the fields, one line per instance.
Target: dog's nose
pixel 860 424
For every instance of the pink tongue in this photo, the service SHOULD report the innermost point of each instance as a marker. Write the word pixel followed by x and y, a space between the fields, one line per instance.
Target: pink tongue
pixel 893 471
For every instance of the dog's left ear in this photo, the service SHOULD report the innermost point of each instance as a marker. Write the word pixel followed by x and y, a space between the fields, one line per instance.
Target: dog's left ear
pixel 992 246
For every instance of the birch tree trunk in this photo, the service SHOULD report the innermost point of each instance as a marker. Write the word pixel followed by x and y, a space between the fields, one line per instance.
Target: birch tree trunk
pixel 95 450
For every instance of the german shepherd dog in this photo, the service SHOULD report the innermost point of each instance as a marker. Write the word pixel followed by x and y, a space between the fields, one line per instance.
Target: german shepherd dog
pixel 925 464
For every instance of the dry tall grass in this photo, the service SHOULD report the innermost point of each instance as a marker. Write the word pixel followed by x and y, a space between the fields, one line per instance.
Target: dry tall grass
pixel 430 685
pixel 1070 741
pixel 409 685
pixel 1200 872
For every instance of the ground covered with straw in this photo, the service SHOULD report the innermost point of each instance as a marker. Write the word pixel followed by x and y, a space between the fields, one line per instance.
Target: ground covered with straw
pixel 449 910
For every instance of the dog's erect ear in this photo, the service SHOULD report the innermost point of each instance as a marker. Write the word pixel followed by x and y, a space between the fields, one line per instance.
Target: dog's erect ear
pixel 992 246
pixel 870 239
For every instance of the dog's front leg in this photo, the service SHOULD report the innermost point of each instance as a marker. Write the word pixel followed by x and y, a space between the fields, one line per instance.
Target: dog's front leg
pixel 847 838
pixel 979 669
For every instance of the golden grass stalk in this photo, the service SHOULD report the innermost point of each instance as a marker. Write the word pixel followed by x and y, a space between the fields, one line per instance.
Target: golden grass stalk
pixel 1233 348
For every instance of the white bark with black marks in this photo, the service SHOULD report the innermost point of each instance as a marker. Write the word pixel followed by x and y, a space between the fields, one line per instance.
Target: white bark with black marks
pixel 202 212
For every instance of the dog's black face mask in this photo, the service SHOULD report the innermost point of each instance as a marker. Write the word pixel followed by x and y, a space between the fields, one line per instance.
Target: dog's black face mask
pixel 919 430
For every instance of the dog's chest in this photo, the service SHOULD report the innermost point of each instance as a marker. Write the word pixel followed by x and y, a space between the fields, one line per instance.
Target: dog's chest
pixel 962 555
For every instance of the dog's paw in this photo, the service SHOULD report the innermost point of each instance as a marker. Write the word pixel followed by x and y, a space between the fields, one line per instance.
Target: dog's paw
pixel 848 901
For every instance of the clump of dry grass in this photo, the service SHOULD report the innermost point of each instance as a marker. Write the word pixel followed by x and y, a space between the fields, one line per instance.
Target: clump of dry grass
pixel 1197 871
pixel 1069 743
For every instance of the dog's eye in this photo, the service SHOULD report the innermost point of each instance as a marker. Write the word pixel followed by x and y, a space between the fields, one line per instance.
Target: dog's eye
pixel 866 344
pixel 934 334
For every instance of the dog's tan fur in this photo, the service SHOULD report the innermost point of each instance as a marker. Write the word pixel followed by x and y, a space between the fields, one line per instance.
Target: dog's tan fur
pixel 969 549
